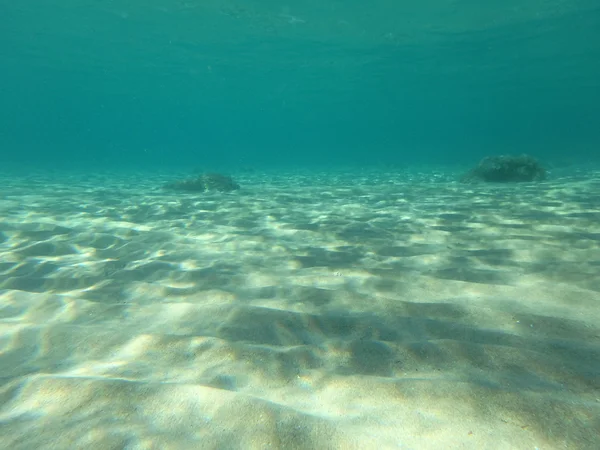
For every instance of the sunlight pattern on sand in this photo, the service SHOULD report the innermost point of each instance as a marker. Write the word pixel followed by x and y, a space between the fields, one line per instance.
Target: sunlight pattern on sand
pixel 307 310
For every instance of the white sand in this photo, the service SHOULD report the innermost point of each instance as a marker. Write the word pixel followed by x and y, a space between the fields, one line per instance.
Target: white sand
pixel 325 311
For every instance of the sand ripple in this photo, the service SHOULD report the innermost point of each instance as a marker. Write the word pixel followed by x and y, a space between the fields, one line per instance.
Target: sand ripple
pixel 306 311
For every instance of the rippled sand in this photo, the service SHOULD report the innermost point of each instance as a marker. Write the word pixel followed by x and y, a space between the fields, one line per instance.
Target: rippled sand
pixel 306 311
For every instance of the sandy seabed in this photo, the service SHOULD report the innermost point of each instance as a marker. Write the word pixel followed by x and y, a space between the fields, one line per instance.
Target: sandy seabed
pixel 323 310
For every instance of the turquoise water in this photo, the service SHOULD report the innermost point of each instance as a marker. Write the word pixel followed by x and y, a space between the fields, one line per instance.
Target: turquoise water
pixel 259 83
pixel 352 294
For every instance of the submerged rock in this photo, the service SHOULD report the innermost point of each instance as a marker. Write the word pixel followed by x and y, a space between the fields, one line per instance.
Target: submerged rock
pixel 506 169
pixel 205 182
pixel 218 182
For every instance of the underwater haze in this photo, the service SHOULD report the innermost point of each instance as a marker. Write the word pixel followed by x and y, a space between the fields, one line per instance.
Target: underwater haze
pixel 261 82
pixel 314 225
